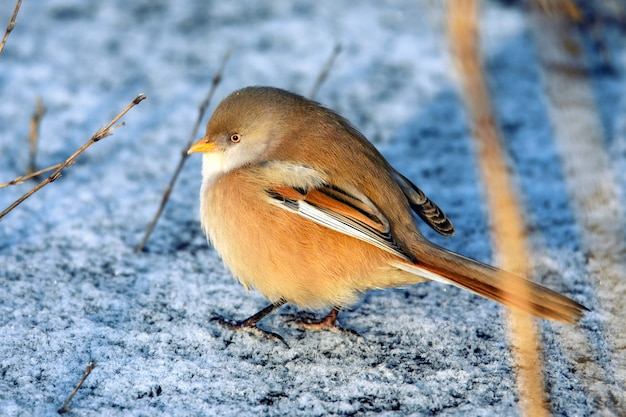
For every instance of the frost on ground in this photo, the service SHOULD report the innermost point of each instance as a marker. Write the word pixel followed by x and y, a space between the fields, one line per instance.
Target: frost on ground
pixel 74 290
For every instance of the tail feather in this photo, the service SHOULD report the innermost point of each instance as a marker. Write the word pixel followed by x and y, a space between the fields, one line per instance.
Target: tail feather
pixel 441 265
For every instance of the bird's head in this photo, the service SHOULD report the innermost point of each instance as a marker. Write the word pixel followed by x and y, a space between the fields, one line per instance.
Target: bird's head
pixel 245 127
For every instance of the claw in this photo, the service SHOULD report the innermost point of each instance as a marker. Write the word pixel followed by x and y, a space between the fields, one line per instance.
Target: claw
pixel 249 326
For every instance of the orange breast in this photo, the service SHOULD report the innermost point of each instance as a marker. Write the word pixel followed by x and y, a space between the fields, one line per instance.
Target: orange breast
pixel 283 255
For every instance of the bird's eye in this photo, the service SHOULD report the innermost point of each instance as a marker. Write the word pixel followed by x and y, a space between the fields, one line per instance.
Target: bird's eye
pixel 235 138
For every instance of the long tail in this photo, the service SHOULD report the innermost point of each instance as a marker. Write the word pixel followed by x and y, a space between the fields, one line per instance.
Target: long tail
pixel 438 264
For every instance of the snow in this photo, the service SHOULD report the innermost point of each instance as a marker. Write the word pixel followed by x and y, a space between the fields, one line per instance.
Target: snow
pixel 74 290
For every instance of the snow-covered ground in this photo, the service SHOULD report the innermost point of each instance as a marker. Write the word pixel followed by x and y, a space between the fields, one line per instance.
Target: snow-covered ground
pixel 73 290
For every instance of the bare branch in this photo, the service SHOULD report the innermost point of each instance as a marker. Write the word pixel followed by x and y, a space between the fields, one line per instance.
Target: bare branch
pixel 217 78
pixel 100 134
pixel 325 71
pixel 66 405
pixel 10 26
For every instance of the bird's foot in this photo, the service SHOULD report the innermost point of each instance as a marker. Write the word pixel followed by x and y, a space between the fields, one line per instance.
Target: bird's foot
pixel 249 327
pixel 250 324
pixel 329 323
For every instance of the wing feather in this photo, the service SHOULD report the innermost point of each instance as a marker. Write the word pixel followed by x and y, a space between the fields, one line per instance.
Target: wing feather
pixel 339 210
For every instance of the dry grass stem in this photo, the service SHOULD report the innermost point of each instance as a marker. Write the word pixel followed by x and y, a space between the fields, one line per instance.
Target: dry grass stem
pixel 594 191
pixel 33 135
pixel 323 75
pixel 217 78
pixel 509 232
pixel 100 134
pixel 34 174
pixel 559 8
pixel 11 25
pixel 66 405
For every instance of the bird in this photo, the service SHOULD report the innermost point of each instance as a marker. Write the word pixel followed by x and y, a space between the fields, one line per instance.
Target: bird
pixel 304 209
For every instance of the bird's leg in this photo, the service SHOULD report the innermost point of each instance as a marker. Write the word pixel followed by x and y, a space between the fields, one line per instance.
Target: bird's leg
pixel 327 323
pixel 250 324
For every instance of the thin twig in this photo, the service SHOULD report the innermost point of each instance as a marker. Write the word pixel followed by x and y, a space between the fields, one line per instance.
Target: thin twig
pixel 66 405
pixel 34 174
pixel 33 135
pixel 325 71
pixel 11 25
pixel 217 78
pixel 100 134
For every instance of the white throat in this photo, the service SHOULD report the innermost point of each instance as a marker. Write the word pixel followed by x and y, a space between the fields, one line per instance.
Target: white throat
pixel 213 167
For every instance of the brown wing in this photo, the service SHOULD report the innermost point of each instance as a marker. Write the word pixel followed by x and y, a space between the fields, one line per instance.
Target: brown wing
pixel 341 211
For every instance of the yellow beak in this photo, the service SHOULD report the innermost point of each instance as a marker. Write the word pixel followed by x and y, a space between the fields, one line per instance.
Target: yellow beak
pixel 203 145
